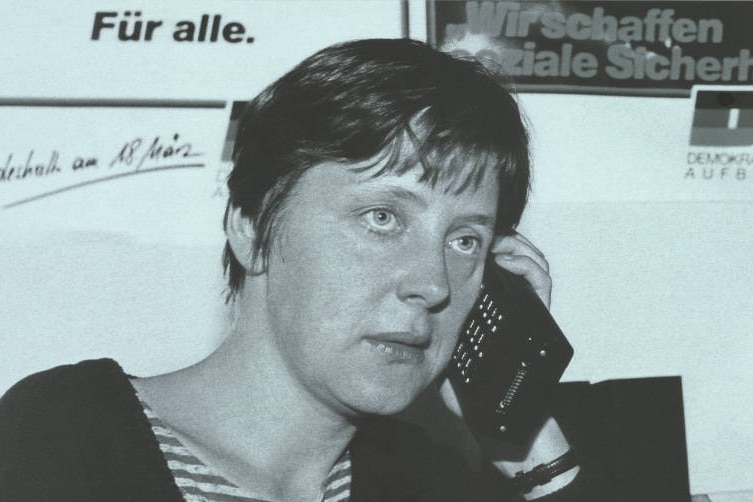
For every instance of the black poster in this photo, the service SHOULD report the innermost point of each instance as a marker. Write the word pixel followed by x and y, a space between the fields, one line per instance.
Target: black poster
pixel 606 47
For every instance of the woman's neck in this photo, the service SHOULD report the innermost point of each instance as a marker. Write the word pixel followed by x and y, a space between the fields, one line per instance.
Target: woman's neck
pixel 242 414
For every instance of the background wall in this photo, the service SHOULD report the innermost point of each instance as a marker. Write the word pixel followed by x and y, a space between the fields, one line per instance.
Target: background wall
pixel 652 270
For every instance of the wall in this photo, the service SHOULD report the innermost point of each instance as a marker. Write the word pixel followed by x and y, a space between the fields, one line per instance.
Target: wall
pixel 121 257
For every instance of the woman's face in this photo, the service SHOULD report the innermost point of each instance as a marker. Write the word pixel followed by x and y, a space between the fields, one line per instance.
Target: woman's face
pixel 369 280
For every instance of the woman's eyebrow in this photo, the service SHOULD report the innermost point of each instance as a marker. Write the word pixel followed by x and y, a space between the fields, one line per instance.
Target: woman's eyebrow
pixel 397 192
pixel 483 220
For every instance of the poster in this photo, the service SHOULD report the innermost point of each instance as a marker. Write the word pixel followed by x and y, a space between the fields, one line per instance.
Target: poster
pixel 614 47
pixel 116 125
pixel 659 91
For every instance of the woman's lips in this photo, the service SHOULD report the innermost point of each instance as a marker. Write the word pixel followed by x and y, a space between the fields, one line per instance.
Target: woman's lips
pixel 399 347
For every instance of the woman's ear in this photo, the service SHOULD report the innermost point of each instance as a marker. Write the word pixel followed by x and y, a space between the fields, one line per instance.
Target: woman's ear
pixel 241 235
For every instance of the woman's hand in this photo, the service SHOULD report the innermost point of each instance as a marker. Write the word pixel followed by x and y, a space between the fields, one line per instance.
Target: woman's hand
pixel 518 255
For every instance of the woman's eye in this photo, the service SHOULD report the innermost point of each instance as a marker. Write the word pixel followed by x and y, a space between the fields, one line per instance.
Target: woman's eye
pixel 383 220
pixel 467 244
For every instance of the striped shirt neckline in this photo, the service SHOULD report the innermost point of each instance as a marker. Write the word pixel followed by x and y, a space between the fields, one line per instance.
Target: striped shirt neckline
pixel 200 483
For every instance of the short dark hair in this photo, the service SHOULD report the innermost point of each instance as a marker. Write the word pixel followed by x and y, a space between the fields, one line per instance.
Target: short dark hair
pixel 360 100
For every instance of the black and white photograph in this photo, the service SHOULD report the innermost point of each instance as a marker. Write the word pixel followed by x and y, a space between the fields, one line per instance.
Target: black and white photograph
pixel 376 250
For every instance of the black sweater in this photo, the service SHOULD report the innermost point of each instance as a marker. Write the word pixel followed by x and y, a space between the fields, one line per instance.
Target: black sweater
pixel 78 433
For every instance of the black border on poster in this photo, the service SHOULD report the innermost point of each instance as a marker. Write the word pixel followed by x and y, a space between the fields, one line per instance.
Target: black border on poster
pixel 732 14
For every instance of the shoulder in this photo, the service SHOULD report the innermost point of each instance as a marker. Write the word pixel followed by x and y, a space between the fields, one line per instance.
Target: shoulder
pixel 401 462
pixel 55 426
pixel 65 399
pixel 67 375
pixel 401 442
pixel 64 386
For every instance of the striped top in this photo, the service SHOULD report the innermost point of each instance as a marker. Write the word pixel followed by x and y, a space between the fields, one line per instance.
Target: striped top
pixel 200 483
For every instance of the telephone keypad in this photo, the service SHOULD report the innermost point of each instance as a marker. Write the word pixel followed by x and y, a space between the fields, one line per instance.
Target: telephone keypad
pixel 484 323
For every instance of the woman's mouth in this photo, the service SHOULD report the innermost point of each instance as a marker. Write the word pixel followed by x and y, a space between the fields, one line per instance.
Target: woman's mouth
pixel 398 351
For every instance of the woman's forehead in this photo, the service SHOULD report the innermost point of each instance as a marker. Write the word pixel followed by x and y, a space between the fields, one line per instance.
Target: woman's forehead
pixel 334 184
pixel 454 169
